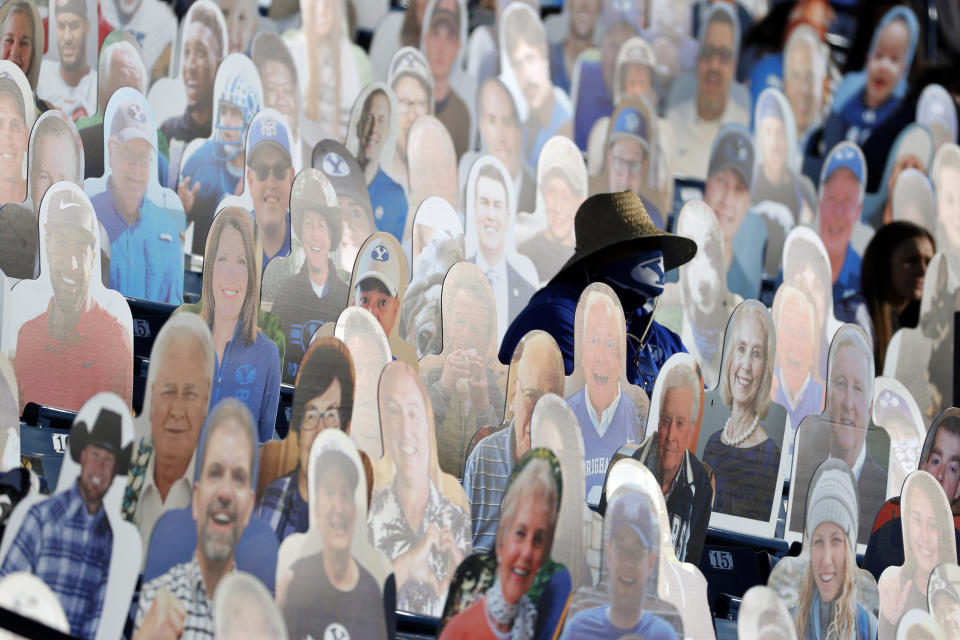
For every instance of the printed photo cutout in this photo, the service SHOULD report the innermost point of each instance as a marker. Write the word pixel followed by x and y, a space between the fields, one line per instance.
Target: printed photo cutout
pixel 424 553
pixel 946 181
pixel 432 167
pixel 437 246
pixel 561 189
pixel 281 86
pixel 699 305
pixel 217 528
pixel 66 321
pixel 144 221
pixel 28 595
pixel 154 26
pixel 184 103
pixel 501 136
pixel 213 168
pixel 826 571
pixel 941 453
pixel 18 113
pixel 343 171
pixel 928 541
pixel 536 369
pixel 845 431
pixel 54 153
pixel 937 112
pixel 378 285
pixel 744 438
pixel 20 21
pixel 805 67
pixel 175 407
pixel 545 110
pixel 247 358
pixel 242 606
pixel 305 289
pixel 635 72
pixel 443 42
pixel 921 358
pixel 669 451
pixel 322 399
pixel 372 138
pixel 332 70
pixel 897 413
pixel 554 426
pixel 518 588
pixel 703 101
pixel 412 84
pixel 490 242
pixel 68 74
pixel 912 199
pixel 912 149
pixel 370 351
pixel 9 417
pixel 75 540
pixel 944 598
pixel 763 614
pixel 466 382
pixel 329 577
pixel 598 385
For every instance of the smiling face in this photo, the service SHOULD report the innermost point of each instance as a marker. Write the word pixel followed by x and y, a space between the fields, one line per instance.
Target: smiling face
pixel 828 560
pixel 335 510
pixel 491 216
pixel 715 65
pixel 583 17
pixel 601 356
pixel 908 266
pixel 315 235
pixel 839 210
pixel 179 399
pixel 729 198
pixel 314 418
pixel 522 548
pixel 96 473
pixel 70 253
pixel 627 162
pixel 675 427
pixel 923 532
pixel 72 32
pixel 532 69
pixel 130 163
pixel 222 497
pixel 631 565
pixel 16 38
pixel 280 91
pixel 14 136
pixel 412 102
pixel 53 160
pixel 773 147
pixel 270 192
pixel 798 84
pixel 747 361
pixel 887 62
pixel 849 402
pixel 561 204
pixel 946 611
pixel 943 463
pixel 405 427
pixel 373 128
pixel 536 376
pixel 200 59
pixel 231 275
pixel 499 127
pixel 797 342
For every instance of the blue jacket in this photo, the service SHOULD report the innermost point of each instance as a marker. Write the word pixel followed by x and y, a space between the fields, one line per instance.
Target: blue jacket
pixel 146 257
pixel 389 204
pixel 210 171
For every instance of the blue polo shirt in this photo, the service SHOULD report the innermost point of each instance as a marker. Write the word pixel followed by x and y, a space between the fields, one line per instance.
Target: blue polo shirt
pixel 848 282
pixel 485 478
pixel 389 205
pixel 284 248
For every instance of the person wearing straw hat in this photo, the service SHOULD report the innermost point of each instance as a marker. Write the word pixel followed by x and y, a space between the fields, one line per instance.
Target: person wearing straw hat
pixel 617 244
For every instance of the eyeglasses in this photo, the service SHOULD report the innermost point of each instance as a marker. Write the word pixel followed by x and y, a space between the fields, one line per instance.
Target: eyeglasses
pixel 125 156
pixel 312 419
pixel 722 54
pixel 279 170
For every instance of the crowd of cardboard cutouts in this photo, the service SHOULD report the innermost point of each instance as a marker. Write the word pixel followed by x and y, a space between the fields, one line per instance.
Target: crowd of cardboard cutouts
pixel 557 290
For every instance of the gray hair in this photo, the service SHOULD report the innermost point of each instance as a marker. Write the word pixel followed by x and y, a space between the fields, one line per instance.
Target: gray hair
pixel 182 326
pixel 237 589
pixel 594 298
pixel 683 376
pixel 852 336
pixel 124 47
pixel 536 480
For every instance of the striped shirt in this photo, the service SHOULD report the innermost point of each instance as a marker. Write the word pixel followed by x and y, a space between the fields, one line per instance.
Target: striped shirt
pixel 185 582
pixel 485 479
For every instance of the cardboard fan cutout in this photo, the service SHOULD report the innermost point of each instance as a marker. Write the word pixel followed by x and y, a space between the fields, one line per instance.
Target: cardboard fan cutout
pixel 699 305
pixel 175 407
pixel 330 577
pixel 897 413
pixel 154 26
pixel 490 242
pixel 912 199
pixel 184 103
pixel 829 547
pixel 371 138
pixel 322 399
pixel 305 289
pixel 437 246
pixel 28 595
pixel 937 112
pixel 75 540
pixel 9 418
pixel 466 382
pixel 912 149
pixel 281 86
pixel 928 541
pixel 378 285
pixel 425 552
pixel 921 358
pixel 845 431
pixel 561 189
pixel 23 21
pixel 432 169
pixel 943 598
pixel 669 451
pixel 144 221
pixel 243 606
pixel 247 359
pixel 762 614
pixel 412 83
pixel 213 168
pixel 66 320
pixel 805 66
pixel 946 179
pixel 54 153
pixel 743 441
pixel 18 112
pixel 68 73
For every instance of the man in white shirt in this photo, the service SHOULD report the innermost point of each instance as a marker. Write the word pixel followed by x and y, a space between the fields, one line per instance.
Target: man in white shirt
pixel 70 84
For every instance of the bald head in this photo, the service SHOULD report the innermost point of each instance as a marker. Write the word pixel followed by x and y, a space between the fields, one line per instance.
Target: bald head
pixel 539 371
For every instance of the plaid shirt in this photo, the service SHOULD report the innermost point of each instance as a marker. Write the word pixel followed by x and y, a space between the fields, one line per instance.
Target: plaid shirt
pixel 282 507
pixel 69 550
pixel 185 582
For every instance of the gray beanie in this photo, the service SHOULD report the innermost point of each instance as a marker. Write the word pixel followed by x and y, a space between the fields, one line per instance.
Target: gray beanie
pixel 834 498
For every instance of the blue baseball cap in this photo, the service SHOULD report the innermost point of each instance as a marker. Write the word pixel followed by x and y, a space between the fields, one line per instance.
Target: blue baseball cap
pixel 634 509
pixel 631 122
pixel 733 149
pixel 845 155
pixel 268 127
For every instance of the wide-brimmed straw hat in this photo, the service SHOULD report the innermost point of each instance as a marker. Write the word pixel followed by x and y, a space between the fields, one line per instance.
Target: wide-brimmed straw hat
pixel 620 220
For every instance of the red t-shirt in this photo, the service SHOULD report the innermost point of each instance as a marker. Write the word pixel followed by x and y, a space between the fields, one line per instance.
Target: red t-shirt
pixel 96 357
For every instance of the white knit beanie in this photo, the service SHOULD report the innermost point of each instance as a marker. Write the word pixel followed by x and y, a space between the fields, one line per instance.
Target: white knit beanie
pixel 834 498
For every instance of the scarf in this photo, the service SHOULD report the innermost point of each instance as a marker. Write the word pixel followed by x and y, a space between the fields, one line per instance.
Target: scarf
pixel 521 616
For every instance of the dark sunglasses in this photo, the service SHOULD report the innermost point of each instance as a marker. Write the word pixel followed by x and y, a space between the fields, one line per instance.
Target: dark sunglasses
pixel 279 170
